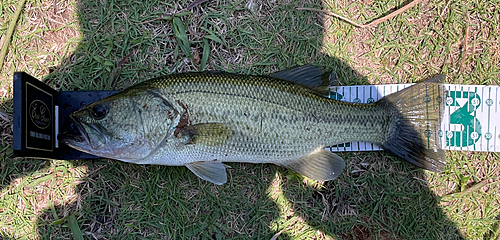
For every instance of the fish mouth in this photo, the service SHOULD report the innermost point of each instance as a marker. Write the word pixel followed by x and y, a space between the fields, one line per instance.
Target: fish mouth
pixel 78 135
pixel 79 138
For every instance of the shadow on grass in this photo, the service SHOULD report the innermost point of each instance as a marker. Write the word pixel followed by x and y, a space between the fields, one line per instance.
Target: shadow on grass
pixel 378 196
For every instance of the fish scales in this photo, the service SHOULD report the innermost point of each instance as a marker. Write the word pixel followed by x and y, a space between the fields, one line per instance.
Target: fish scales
pixel 270 123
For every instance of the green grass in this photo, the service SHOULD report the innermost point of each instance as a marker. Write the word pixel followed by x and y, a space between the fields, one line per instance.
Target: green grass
pixel 377 197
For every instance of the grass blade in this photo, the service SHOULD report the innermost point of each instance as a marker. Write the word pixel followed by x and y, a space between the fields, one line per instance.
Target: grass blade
pixel 474 188
pixel 206 54
pixel 10 32
pixel 75 229
pixel 41 179
pixel 181 36
pixel 214 37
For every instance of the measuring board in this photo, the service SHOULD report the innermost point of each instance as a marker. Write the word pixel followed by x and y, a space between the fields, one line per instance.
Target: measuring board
pixel 471 120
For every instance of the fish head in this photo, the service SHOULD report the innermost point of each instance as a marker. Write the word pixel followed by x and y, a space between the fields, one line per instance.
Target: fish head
pixel 125 126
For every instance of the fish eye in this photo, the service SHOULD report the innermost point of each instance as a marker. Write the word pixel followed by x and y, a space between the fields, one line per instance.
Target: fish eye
pixel 98 112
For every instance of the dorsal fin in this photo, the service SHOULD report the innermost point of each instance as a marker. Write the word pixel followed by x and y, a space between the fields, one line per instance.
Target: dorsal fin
pixel 311 76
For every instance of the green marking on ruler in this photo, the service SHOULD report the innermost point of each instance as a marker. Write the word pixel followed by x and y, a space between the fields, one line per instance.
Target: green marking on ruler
pixel 357 100
pixel 370 99
pixel 427 132
pixel 475 102
pixel 465 116
pixel 342 145
pixel 488 136
pixel 440 100
pixel 336 96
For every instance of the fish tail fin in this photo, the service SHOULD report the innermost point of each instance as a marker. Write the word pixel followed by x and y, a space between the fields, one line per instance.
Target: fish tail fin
pixel 415 119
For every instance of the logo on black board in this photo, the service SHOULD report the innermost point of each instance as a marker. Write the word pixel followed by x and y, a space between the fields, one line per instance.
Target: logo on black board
pixel 39 114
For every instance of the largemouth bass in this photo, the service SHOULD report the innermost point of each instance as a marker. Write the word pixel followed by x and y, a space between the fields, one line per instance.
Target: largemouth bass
pixel 200 120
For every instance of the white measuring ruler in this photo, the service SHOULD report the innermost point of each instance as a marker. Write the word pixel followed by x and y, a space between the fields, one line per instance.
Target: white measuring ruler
pixel 471 120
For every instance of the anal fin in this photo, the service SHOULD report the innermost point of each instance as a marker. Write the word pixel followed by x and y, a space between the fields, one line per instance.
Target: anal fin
pixel 212 171
pixel 320 165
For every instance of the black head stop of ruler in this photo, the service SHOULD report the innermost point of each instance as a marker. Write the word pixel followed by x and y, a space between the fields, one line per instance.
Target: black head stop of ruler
pixel 41 113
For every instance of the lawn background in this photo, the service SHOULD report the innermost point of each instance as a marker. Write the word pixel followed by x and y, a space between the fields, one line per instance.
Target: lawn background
pixel 83 45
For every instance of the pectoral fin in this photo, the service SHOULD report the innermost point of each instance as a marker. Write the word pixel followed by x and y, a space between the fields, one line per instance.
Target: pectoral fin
pixel 212 171
pixel 320 165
